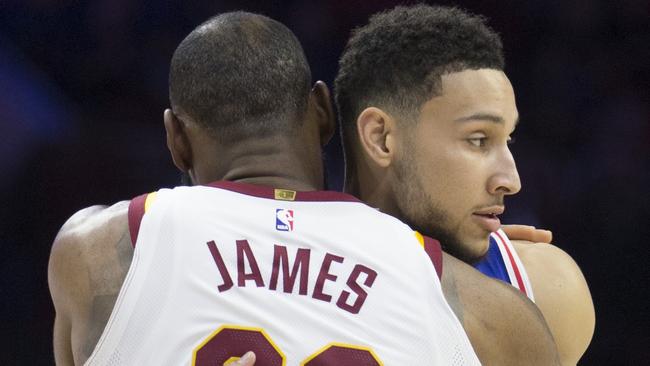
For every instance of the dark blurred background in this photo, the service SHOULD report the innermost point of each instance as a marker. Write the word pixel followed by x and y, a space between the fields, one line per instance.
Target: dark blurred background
pixel 83 85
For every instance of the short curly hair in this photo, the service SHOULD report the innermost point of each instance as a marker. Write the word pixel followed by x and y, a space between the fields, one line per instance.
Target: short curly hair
pixel 396 61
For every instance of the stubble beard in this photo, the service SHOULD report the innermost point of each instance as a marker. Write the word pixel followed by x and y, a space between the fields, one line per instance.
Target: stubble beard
pixel 422 213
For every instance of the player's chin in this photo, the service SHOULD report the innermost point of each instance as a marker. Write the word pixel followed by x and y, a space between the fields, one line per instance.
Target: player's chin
pixel 474 247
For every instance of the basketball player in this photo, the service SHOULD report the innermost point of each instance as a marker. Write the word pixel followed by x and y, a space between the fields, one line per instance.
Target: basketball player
pixel 427 114
pixel 255 257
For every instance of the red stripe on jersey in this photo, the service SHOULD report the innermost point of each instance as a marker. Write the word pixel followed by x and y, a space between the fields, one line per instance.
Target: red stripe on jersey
pixel 515 268
pixel 136 211
pixel 434 251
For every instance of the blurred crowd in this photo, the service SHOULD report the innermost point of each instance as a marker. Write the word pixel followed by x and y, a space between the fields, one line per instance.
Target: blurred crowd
pixel 83 85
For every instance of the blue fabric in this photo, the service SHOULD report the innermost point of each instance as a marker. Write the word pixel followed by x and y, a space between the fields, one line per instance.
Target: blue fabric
pixel 492 264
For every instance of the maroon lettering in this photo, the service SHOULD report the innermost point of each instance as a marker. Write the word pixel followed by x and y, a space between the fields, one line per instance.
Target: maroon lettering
pixel 371 275
pixel 218 260
pixel 229 342
pixel 280 257
pixel 324 275
pixel 244 250
pixel 293 270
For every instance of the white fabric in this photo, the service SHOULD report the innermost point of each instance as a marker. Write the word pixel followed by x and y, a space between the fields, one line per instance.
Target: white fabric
pixel 510 266
pixel 170 304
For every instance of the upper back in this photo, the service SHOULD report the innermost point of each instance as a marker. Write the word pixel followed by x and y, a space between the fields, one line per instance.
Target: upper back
pixel 307 275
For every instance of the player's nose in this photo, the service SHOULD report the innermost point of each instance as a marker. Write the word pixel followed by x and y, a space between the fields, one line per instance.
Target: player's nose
pixel 506 178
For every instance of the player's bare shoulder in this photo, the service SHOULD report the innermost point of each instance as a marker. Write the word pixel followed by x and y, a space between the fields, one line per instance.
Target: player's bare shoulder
pixel 548 257
pixel 562 294
pixel 89 259
pixel 87 237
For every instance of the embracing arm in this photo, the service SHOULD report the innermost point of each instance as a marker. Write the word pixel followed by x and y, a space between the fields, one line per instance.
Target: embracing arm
pixel 504 327
pixel 68 287
pixel 88 262
pixel 562 295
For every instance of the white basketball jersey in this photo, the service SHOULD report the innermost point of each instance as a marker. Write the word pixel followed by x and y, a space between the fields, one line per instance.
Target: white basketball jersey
pixel 301 278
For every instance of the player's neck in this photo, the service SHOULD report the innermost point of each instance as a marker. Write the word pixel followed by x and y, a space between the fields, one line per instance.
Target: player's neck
pixel 379 198
pixel 271 165
pixel 279 160
pixel 370 184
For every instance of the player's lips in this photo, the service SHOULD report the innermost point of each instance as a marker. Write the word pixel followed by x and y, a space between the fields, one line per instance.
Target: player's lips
pixel 488 219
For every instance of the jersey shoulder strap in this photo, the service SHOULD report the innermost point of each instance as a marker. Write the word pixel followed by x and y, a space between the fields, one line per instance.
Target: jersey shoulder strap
pixel 513 265
pixel 137 208
pixel 433 249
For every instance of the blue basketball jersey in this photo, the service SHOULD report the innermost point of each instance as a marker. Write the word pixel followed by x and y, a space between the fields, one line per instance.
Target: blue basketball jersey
pixel 503 263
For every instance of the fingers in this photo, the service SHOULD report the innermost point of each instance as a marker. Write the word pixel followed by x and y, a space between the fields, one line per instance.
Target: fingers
pixel 248 359
pixel 527 232
pixel 543 236
pixel 519 232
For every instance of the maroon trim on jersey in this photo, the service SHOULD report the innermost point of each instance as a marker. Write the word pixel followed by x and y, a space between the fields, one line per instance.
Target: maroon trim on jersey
pixel 433 249
pixel 269 192
pixel 136 211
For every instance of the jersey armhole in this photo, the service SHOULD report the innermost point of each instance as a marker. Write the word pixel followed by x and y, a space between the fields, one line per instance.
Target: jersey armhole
pixel 515 269
pixel 136 211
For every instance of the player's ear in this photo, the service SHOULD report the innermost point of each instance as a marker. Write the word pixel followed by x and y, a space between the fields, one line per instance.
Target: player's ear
pixel 326 119
pixel 177 141
pixel 376 135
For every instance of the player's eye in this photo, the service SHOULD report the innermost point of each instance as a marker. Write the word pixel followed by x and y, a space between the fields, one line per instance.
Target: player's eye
pixel 478 141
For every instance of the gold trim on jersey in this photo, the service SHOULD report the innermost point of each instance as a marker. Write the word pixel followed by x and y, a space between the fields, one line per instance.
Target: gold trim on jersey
pixel 231 360
pixel 149 200
pixel 238 327
pixel 419 237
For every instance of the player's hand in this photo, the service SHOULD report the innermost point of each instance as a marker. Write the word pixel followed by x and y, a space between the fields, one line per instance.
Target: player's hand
pixel 248 359
pixel 526 232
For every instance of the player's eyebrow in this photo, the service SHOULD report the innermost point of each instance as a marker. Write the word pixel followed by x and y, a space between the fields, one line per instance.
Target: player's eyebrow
pixel 484 117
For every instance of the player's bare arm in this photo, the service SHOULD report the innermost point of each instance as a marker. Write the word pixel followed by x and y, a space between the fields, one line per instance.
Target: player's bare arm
pixel 88 263
pixel 562 295
pixel 504 327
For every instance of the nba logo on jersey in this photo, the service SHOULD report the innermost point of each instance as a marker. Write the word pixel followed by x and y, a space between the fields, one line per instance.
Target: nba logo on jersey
pixel 283 219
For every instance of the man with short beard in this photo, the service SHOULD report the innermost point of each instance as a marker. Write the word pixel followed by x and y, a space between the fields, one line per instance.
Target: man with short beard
pixel 427 114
